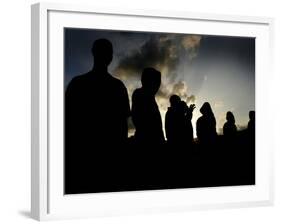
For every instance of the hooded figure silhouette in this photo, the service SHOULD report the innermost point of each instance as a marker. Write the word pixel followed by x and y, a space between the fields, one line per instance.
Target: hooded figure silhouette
pixel 229 128
pixel 206 125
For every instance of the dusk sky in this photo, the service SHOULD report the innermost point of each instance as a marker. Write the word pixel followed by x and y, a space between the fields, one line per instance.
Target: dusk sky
pixel 199 68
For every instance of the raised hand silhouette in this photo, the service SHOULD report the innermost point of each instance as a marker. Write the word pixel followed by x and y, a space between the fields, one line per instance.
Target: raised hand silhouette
pixel 178 126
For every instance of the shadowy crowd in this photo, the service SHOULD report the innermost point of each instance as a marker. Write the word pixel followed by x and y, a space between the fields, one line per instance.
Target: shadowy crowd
pixel 99 156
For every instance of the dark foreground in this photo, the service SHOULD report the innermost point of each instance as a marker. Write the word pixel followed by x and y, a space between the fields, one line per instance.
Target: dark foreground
pixel 226 162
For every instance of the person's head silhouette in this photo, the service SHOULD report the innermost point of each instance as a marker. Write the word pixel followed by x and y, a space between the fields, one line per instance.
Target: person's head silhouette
pixel 230 117
pixel 206 109
pixel 102 51
pixel 175 100
pixel 151 80
pixel 252 115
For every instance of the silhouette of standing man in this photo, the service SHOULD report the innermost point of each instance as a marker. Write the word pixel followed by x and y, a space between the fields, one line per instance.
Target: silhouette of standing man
pixel 96 112
pixel 178 126
pixel 251 126
pixel 145 113
pixel 174 121
pixel 251 123
pixel 206 125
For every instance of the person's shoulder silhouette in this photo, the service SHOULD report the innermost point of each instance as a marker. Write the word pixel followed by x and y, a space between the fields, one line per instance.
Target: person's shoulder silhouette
pixel 96 111
pixel 206 124
pixel 99 98
pixel 173 120
pixel 229 128
pixel 145 113
pixel 102 52
pixel 251 123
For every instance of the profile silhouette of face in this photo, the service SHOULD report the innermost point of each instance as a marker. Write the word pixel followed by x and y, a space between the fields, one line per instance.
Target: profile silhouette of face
pixel 252 115
pixel 230 117
pixel 102 51
pixel 175 100
pixel 206 109
pixel 151 80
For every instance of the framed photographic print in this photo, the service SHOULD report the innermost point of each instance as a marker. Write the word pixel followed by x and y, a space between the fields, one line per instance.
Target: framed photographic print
pixel 148 111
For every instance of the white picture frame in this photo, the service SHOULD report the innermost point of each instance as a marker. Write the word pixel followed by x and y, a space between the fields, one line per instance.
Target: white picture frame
pixel 47 198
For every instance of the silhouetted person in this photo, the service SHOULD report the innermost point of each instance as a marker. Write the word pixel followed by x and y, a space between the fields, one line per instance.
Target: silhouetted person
pixel 206 125
pixel 173 120
pixel 188 113
pixel 145 113
pixel 249 154
pixel 178 124
pixel 96 112
pixel 251 125
pixel 229 128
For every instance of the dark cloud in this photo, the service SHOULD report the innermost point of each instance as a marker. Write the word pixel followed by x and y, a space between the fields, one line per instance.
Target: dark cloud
pixel 161 51
pixel 192 43
pixel 164 52
pixel 154 53
pixel 179 88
